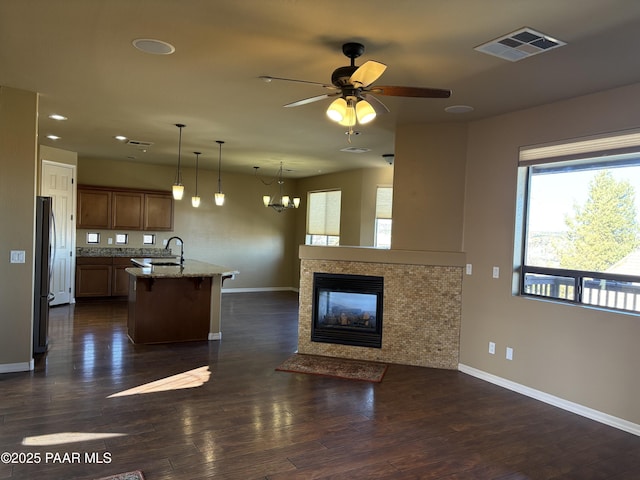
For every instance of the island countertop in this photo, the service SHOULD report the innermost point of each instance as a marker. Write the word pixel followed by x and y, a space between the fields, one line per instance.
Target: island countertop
pixel 190 268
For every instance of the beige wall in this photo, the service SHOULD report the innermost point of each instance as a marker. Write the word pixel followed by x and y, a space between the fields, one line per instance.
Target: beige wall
pixel 583 355
pixel 429 175
pixel 18 133
pixel 242 234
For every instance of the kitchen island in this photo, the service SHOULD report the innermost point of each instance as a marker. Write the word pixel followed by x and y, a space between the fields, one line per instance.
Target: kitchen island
pixel 170 302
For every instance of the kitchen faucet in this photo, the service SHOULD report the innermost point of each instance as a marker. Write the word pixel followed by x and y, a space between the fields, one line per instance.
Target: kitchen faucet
pixel 166 247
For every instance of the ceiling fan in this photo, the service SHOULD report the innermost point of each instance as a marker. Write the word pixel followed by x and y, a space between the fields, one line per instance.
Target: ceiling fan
pixel 353 87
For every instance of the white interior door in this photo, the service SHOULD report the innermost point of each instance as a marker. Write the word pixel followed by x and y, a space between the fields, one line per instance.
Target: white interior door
pixel 57 182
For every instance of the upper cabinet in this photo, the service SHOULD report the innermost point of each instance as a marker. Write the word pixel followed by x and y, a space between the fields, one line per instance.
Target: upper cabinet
pixel 94 208
pixel 124 209
pixel 127 210
pixel 158 211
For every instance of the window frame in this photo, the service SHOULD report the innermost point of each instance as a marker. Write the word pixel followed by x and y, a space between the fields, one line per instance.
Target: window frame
pixel 591 151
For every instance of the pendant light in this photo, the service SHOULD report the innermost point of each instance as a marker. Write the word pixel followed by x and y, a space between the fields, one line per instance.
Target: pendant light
pixel 178 187
pixel 219 196
pixel 195 200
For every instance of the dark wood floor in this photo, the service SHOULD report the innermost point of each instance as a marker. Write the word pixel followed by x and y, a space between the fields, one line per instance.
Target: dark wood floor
pixel 249 421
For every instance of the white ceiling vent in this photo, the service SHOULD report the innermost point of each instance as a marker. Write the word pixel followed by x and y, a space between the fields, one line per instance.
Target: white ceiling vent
pixel 520 44
pixel 139 143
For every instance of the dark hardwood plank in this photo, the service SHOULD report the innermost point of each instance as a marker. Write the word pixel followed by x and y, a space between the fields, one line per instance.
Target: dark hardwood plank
pixel 249 421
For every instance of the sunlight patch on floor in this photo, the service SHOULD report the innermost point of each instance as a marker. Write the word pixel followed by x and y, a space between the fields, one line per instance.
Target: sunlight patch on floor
pixel 66 437
pixel 190 379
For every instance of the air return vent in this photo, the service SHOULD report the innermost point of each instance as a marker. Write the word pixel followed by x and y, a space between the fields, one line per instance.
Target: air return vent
pixel 520 44
pixel 139 143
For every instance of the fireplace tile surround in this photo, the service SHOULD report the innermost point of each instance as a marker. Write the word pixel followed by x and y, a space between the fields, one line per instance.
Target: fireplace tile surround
pixel 422 303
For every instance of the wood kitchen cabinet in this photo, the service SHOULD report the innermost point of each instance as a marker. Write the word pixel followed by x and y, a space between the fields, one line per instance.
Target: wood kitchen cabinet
pixel 93 276
pixel 102 276
pixel 94 208
pixel 127 210
pixel 158 212
pixel 110 208
pixel 119 277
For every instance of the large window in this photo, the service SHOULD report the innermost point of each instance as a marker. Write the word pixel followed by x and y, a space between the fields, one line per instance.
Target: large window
pixel 323 218
pixel 581 219
pixel 384 198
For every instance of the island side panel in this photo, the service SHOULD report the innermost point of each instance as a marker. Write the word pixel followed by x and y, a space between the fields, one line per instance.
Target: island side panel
pixel 215 326
pixel 163 310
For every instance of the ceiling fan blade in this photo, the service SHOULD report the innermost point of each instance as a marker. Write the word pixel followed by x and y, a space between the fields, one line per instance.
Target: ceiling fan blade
pixel 367 73
pixel 395 91
pixel 377 105
pixel 268 79
pixel 317 98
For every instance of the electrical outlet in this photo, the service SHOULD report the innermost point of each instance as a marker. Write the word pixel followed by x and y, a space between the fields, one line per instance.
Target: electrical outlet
pixel 509 353
pixel 110 241
pixel 492 348
pixel 469 269
pixel 496 272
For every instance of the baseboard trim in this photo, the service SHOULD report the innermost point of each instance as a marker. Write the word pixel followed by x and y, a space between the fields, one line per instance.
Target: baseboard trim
pixel 215 336
pixel 576 408
pixel 259 289
pixel 17 367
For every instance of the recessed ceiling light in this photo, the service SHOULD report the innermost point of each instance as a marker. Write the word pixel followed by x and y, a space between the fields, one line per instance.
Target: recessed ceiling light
pixel 459 109
pixel 121 138
pixel 354 149
pixel 53 137
pixel 153 46
pixel 55 116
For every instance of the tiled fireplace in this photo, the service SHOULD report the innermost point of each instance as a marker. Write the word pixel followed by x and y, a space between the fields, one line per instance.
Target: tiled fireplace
pixel 422 304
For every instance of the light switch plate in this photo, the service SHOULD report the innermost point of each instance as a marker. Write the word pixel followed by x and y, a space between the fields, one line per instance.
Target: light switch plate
pixel 17 256
pixel 469 269
pixel 509 354
pixel 496 272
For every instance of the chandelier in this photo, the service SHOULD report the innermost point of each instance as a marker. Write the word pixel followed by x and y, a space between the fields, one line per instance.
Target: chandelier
pixel 281 201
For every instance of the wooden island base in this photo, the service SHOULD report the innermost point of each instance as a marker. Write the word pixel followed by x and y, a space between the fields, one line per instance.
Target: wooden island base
pixel 175 303
pixel 163 310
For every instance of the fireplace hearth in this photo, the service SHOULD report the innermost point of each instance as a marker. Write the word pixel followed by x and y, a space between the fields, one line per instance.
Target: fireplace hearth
pixel 347 309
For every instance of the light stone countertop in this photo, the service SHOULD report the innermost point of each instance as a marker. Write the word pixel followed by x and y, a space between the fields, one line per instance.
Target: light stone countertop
pixel 191 268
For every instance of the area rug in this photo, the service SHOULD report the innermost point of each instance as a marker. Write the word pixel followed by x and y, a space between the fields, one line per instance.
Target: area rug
pixel 334 367
pixel 137 475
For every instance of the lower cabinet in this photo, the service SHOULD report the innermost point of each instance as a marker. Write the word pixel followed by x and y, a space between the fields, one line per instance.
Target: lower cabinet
pixel 102 276
pixel 120 278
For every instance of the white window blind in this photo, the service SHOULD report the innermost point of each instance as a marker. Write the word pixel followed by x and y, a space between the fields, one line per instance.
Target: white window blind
pixel 323 216
pixel 609 144
pixel 384 199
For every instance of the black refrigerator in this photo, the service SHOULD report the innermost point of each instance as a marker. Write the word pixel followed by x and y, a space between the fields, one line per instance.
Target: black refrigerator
pixel 44 258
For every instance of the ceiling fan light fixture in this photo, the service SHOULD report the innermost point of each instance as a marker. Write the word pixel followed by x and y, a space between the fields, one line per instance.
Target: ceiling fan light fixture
pixel 337 110
pixel 350 118
pixel 364 112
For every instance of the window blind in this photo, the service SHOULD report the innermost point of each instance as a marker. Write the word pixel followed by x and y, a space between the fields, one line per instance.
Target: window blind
pixel 324 213
pixel 609 144
pixel 384 201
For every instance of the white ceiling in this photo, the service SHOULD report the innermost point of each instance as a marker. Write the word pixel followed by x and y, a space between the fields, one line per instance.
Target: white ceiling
pixel 78 55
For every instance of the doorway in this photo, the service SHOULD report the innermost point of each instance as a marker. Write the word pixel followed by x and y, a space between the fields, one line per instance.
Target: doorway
pixel 57 182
